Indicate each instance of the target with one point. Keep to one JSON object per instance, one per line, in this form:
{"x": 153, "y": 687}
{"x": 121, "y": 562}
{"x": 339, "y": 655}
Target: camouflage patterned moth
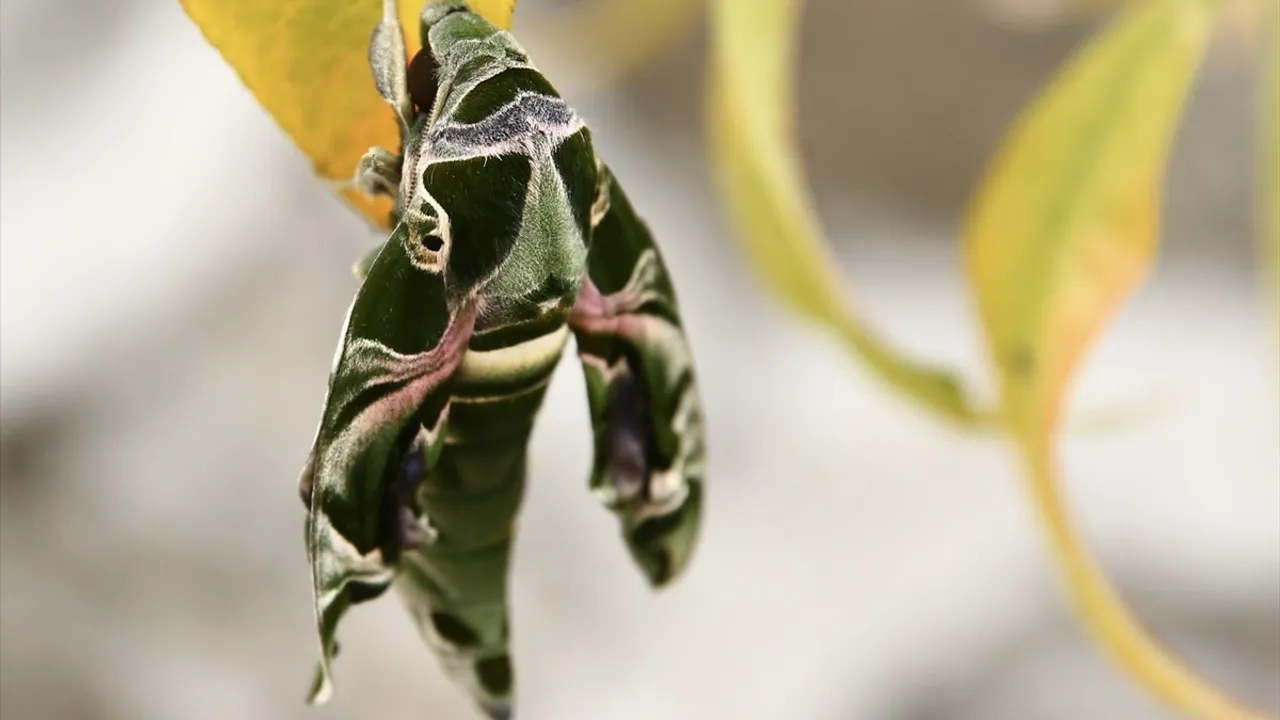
{"x": 508, "y": 236}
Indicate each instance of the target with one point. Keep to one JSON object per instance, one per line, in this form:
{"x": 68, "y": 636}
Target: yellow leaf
{"x": 306, "y": 61}
{"x": 1060, "y": 233}
{"x": 759, "y": 171}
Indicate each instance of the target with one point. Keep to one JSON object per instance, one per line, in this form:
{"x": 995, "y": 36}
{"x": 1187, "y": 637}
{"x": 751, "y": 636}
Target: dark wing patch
{"x": 484, "y": 198}
{"x": 495, "y": 93}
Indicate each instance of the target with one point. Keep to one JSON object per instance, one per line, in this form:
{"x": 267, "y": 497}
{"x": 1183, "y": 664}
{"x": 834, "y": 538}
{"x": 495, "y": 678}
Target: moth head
{"x": 466, "y": 46}
{"x": 458, "y": 47}
{"x": 460, "y": 50}
{"x": 449, "y": 22}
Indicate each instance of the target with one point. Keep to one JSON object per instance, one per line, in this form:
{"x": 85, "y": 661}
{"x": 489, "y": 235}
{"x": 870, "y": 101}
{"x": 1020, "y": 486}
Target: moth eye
{"x": 423, "y": 84}
{"x": 432, "y": 243}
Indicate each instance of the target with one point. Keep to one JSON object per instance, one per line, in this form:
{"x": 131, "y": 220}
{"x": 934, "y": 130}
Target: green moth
{"x": 509, "y": 235}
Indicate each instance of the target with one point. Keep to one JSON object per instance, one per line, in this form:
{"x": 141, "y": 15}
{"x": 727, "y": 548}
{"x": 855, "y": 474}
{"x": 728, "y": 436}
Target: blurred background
{"x": 173, "y": 281}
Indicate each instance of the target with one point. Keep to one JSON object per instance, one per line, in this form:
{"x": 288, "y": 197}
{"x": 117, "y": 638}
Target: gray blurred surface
{"x": 172, "y": 284}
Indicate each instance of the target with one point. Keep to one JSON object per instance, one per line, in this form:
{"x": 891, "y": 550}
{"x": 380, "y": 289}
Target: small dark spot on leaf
{"x": 454, "y": 630}
{"x": 1020, "y": 361}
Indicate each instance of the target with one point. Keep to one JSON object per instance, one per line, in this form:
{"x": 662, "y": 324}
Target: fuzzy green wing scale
{"x": 509, "y": 236}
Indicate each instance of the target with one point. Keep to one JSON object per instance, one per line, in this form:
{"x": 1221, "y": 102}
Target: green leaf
{"x": 750, "y": 126}
{"x": 1060, "y": 233}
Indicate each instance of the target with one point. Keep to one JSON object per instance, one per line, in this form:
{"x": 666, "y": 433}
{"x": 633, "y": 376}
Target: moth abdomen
{"x": 458, "y": 579}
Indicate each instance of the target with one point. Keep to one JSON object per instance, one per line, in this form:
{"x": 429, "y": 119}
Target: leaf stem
{"x": 1111, "y": 622}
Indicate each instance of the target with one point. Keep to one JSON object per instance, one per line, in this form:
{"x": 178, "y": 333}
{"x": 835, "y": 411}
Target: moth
{"x": 509, "y": 235}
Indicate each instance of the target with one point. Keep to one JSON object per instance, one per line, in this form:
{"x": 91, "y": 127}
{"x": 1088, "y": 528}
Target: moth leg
{"x": 378, "y": 172}
{"x": 645, "y": 409}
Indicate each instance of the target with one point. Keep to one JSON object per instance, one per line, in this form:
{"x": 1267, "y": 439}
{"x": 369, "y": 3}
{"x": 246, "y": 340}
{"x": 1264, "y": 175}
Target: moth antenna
{"x": 390, "y": 64}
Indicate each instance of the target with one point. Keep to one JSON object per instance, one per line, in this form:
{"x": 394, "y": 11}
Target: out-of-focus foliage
{"x": 307, "y": 63}
{"x": 1041, "y": 13}
{"x": 1063, "y": 228}
{"x": 1269, "y": 159}
{"x": 499, "y": 12}
{"x": 1061, "y": 231}
{"x": 613, "y": 37}
{"x": 750, "y": 120}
